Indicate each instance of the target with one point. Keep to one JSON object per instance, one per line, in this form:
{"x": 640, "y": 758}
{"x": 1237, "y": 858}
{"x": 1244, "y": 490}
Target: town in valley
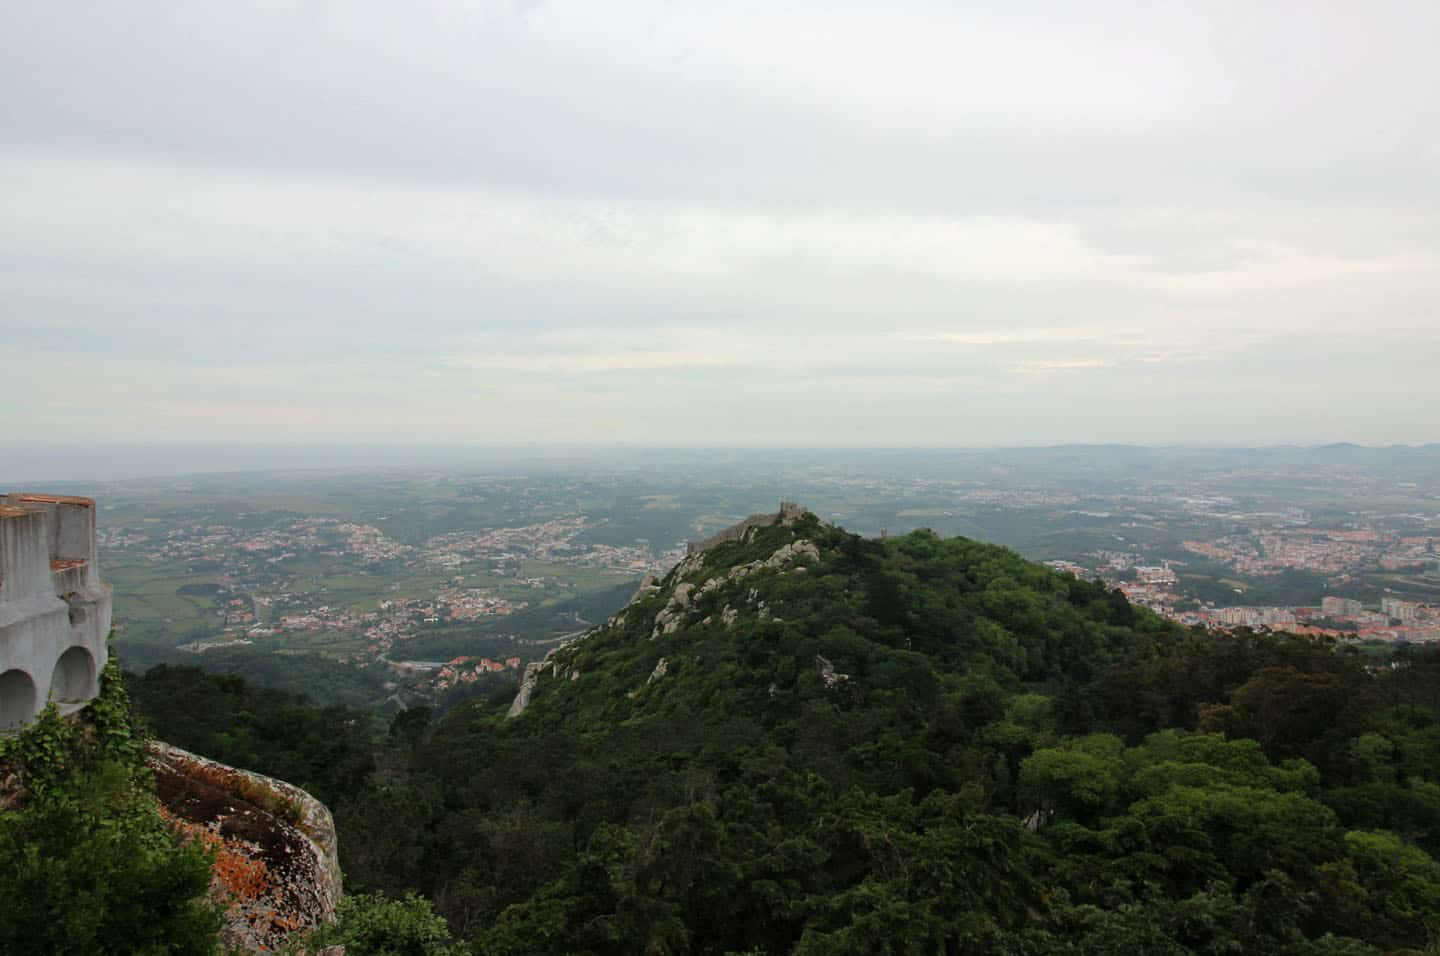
{"x": 427, "y": 585}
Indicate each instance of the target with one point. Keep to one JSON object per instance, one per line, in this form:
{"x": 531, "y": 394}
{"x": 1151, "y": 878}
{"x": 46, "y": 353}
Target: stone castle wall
{"x": 787, "y": 514}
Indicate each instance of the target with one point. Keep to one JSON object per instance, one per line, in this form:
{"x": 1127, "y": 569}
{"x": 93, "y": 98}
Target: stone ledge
{"x": 277, "y": 862}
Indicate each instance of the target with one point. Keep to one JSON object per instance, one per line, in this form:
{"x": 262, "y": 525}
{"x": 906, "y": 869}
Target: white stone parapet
{"x": 54, "y": 609}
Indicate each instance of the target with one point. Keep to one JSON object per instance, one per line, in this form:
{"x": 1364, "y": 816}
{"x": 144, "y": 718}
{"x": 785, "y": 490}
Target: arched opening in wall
{"x": 74, "y": 680}
{"x": 17, "y": 699}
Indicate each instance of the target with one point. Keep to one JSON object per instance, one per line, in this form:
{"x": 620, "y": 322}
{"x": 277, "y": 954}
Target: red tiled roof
{"x": 59, "y": 499}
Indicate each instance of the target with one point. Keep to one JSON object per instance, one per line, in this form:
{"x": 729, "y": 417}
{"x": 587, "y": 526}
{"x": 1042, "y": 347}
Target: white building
{"x": 1150, "y": 575}
{"x": 1404, "y": 611}
{"x": 1339, "y": 607}
{"x": 54, "y": 609}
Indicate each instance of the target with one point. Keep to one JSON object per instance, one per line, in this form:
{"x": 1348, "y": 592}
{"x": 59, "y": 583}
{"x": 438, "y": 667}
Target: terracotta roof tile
{"x": 58, "y": 499}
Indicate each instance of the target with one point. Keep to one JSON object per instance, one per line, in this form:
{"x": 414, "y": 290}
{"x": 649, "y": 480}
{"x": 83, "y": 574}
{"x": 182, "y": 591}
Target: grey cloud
{"x": 1131, "y": 101}
{"x": 558, "y": 220}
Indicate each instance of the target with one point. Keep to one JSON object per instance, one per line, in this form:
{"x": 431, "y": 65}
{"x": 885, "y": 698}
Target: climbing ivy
{"x": 49, "y": 749}
{"x": 87, "y": 864}
{"x": 116, "y": 729}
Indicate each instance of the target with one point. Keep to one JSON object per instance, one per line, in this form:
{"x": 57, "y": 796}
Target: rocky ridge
{"x": 694, "y": 594}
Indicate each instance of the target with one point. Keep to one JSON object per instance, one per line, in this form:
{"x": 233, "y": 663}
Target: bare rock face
{"x": 669, "y": 619}
{"x": 527, "y": 687}
{"x": 827, "y": 672}
{"x": 793, "y": 552}
{"x": 276, "y": 863}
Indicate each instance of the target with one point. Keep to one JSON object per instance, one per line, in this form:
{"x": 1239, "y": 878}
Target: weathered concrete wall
{"x": 54, "y": 609}
{"x": 24, "y": 553}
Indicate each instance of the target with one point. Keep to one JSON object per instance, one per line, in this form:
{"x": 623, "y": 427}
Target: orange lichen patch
{"x": 58, "y": 500}
{"x": 242, "y": 877}
{"x": 65, "y": 564}
{"x": 271, "y": 877}
{"x": 11, "y": 511}
{"x": 238, "y": 876}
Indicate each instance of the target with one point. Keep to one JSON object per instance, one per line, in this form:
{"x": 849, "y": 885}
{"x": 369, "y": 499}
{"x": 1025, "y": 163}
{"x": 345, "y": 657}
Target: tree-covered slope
{"x": 852, "y": 655}
{"x": 805, "y": 741}
{"x": 325, "y": 751}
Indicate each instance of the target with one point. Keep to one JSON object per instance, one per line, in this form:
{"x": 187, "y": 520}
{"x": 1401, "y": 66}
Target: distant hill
{"x": 803, "y": 741}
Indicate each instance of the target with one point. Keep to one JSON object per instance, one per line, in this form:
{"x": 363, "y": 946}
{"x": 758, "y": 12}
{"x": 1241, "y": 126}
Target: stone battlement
{"x": 787, "y": 514}
{"x": 54, "y": 609}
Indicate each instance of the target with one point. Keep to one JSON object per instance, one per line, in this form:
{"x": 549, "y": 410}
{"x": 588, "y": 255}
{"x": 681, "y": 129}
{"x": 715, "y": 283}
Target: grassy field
{"x": 575, "y": 579}
{"x": 148, "y": 595}
{"x": 324, "y": 643}
{"x": 1424, "y": 587}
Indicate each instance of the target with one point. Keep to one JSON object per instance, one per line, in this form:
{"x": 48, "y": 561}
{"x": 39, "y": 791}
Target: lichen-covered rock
{"x": 649, "y": 584}
{"x": 276, "y": 861}
{"x": 687, "y": 566}
{"x": 661, "y": 669}
{"x": 668, "y": 620}
{"x": 793, "y": 552}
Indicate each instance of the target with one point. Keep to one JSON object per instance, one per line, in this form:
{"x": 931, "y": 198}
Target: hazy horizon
{"x": 657, "y": 223}
{"x": 32, "y": 466}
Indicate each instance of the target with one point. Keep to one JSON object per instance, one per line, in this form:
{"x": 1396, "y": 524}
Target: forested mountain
{"x": 804, "y": 741}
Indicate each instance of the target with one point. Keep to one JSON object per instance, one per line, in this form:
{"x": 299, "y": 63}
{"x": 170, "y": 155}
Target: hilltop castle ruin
{"x": 788, "y": 514}
{"x": 54, "y": 609}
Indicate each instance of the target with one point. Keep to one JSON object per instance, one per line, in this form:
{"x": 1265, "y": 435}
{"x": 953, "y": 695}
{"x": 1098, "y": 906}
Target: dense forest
{"x": 809, "y": 742}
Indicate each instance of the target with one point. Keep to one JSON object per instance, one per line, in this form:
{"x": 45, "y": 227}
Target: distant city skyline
{"x": 649, "y": 223}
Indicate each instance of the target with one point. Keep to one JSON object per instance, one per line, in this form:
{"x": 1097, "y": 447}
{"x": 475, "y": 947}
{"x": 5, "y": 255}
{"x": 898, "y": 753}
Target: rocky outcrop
{"x": 683, "y": 605}
{"x": 276, "y": 862}
{"x": 671, "y": 617}
{"x": 791, "y": 553}
{"x": 828, "y": 673}
{"x": 535, "y": 670}
{"x": 527, "y": 687}
{"x": 668, "y": 620}
{"x": 649, "y": 584}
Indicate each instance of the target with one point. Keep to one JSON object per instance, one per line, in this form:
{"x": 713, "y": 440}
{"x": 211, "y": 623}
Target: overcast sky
{"x": 720, "y": 222}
